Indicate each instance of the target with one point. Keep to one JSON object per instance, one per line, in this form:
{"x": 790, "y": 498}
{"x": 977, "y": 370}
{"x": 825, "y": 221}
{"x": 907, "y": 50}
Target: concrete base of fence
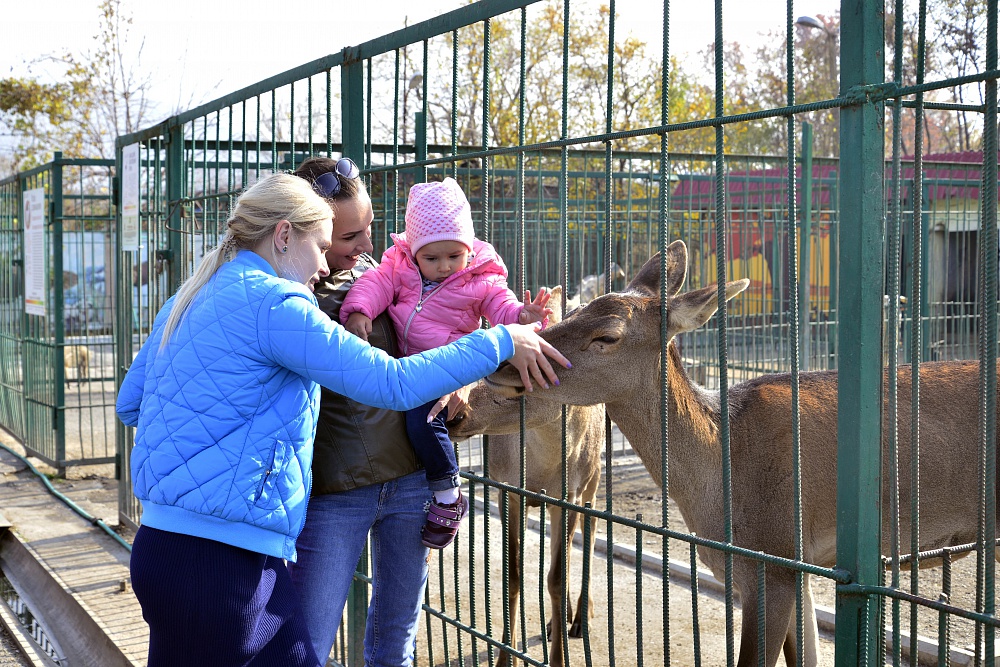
{"x": 80, "y": 635}
{"x": 927, "y": 649}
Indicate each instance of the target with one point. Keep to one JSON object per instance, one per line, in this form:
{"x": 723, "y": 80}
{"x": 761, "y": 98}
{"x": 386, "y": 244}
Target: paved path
{"x": 88, "y": 562}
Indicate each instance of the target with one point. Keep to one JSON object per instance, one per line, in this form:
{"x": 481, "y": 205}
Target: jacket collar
{"x": 252, "y": 259}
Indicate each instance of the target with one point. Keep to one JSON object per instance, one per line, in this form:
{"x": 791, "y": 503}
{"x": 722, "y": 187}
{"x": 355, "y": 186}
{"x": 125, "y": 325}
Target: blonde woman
{"x": 224, "y": 395}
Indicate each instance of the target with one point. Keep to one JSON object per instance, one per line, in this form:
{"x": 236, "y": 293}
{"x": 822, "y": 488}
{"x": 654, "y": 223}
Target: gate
{"x": 858, "y": 265}
{"x": 57, "y": 390}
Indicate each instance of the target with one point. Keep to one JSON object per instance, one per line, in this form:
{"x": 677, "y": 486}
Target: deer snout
{"x": 458, "y": 425}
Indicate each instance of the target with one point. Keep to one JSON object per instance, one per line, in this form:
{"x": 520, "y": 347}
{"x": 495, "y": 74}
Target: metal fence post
{"x": 175, "y": 192}
{"x": 352, "y": 108}
{"x": 860, "y": 316}
{"x": 805, "y": 278}
{"x": 353, "y": 138}
{"x": 58, "y": 308}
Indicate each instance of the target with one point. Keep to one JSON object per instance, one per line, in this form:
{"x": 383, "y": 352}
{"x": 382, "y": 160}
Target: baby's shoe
{"x": 443, "y": 522}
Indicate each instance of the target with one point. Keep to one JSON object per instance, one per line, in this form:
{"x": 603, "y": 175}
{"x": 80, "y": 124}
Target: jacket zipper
{"x": 267, "y": 473}
{"x": 417, "y": 309}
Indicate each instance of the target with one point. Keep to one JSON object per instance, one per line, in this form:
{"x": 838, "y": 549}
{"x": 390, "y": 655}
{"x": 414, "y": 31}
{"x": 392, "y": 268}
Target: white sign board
{"x": 35, "y": 283}
{"x": 130, "y": 197}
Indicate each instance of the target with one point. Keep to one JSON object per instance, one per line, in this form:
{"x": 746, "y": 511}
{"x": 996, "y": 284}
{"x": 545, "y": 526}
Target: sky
{"x": 198, "y": 50}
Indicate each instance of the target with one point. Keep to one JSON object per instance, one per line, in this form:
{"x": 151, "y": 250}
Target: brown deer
{"x": 543, "y": 464}
{"x": 614, "y": 344}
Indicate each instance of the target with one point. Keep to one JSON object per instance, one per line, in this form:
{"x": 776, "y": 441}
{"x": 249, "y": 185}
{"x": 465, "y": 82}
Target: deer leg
{"x": 810, "y": 638}
{"x": 505, "y": 659}
{"x": 576, "y": 629}
{"x": 780, "y": 588}
{"x": 810, "y": 633}
{"x": 557, "y": 595}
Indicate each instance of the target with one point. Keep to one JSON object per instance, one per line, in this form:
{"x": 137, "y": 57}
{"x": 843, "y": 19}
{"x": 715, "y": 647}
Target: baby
{"x": 437, "y": 281}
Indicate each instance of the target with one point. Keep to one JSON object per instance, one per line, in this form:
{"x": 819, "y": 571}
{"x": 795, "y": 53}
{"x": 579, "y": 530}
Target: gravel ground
{"x": 10, "y": 655}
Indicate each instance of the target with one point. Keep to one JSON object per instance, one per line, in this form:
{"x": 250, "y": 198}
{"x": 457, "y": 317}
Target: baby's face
{"x": 440, "y": 259}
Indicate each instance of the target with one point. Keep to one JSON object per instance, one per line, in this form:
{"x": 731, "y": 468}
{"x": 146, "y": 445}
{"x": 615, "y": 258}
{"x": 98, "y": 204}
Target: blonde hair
{"x": 258, "y": 211}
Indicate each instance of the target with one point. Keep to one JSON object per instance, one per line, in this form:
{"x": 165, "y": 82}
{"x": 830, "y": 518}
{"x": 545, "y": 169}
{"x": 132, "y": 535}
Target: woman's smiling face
{"x": 352, "y": 231}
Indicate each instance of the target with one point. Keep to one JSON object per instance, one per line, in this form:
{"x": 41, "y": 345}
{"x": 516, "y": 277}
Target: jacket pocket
{"x": 267, "y": 496}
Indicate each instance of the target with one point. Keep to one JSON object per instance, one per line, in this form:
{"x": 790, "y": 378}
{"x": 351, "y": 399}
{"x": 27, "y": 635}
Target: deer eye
{"x": 609, "y": 340}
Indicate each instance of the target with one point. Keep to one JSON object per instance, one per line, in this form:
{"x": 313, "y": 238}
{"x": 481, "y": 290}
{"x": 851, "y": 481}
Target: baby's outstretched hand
{"x": 535, "y": 310}
{"x": 359, "y": 325}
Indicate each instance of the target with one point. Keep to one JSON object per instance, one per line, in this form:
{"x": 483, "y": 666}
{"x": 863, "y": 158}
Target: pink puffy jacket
{"x": 444, "y": 315}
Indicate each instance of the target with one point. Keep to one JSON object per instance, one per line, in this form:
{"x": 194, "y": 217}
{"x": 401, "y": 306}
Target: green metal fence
{"x": 56, "y": 351}
{"x": 893, "y": 260}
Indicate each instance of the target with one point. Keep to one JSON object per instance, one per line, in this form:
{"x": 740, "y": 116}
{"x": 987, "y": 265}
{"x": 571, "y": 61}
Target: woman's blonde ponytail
{"x": 258, "y": 210}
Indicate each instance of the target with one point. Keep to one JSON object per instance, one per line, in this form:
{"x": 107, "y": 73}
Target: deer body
{"x": 543, "y": 463}
{"x": 622, "y": 331}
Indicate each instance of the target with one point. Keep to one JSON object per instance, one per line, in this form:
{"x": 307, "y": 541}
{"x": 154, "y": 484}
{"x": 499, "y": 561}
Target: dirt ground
{"x": 635, "y": 493}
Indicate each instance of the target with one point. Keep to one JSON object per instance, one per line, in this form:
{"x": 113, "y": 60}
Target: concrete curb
{"x": 72, "y": 623}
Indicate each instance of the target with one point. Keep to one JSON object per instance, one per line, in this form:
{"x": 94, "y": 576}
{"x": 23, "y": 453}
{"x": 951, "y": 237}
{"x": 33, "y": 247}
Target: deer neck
{"x": 695, "y": 461}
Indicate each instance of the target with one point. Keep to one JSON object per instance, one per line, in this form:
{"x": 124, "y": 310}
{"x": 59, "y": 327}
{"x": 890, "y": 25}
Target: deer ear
{"x": 648, "y": 278}
{"x": 555, "y": 303}
{"x": 692, "y": 309}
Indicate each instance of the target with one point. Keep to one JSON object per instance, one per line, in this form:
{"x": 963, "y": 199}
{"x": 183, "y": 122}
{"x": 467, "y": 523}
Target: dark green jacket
{"x": 357, "y": 445}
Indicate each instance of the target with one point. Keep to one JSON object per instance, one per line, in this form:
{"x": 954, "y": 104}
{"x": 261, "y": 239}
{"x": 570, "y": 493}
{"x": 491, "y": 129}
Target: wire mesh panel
{"x": 58, "y": 347}
{"x": 709, "y": 443}
{"x": 12, "y": 309}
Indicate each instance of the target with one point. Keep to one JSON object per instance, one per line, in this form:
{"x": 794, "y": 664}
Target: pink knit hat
{"x": 438, "y": 211}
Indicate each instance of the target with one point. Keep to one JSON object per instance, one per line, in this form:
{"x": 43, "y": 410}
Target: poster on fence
{"x": 130, "y": 197}
{"x": 35, "y": 285}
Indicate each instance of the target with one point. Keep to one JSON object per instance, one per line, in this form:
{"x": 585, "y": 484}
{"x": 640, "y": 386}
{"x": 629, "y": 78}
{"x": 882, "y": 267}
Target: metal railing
{"x": 826, "y": 281}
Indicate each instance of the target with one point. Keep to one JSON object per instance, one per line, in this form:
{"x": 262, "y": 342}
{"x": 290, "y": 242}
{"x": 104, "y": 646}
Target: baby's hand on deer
{"x": 359, "y": 325}
{"x": 455, "y": 401}
{"x": 535, "y": 310}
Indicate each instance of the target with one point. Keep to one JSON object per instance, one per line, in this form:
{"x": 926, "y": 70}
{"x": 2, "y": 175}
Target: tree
{"x": 99, "y": 95}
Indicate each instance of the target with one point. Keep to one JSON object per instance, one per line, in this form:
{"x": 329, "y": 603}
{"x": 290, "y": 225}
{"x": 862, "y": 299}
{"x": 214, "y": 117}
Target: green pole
{"x": 805, "y": 246}
{"x": 860, "y": 380}
{"x": 352, "y": 106}
{"x": 58, "y": 308}
{"x": 925, "y": 306}
{"x": 420, "y": 139}
{"x": 175, "y": 192}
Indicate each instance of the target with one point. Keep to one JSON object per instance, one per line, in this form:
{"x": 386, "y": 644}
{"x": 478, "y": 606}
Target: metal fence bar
{"x": 860, "y": 368}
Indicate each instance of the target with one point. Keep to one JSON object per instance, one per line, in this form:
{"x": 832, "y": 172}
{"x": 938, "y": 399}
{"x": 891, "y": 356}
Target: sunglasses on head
{"x": 328, "y": 184}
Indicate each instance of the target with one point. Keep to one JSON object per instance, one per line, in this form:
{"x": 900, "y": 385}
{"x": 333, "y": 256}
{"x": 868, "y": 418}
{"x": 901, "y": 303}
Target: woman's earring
{"x": 284, "y": 248}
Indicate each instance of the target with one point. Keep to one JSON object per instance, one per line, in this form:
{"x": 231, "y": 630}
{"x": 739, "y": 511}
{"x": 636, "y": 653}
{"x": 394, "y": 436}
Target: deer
{"x": 614, "y": 345}
{"x": 78, "y": 357}
{"x": 543, "y": 465}
{"x": 592, "y": 286}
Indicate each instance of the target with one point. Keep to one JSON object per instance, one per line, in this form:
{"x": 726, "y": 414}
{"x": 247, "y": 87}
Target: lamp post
{"x": 805, "y": 273}
{"x": 813, "y": 23}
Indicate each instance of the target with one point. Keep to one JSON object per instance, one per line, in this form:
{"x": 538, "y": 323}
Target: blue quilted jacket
{"x": 226, "y": 412}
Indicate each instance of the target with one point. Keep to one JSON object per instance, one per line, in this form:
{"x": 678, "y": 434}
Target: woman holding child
{"x": 225, "y": 398}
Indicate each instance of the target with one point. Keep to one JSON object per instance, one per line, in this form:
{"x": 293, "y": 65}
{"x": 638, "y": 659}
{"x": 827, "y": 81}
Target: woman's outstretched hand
{"x": 532, "y": 354}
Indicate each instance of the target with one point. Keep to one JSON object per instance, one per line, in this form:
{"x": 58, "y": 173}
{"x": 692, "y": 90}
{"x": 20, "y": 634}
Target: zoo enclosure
{"x": 193, "y": 165}
{"x": 57, "y": 390}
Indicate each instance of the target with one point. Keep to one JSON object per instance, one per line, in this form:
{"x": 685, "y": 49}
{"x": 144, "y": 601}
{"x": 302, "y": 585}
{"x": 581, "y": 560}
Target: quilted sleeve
{"x": 130, "y": 393}
{"x": 295, "y": 334}
{"x": 500, "y": 304}
{"x": 374, "y": 290}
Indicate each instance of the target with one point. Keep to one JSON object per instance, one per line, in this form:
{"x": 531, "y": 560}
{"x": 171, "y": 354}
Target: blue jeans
{"x": 433, "y": 446}
{"x": 329, "y": 547}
